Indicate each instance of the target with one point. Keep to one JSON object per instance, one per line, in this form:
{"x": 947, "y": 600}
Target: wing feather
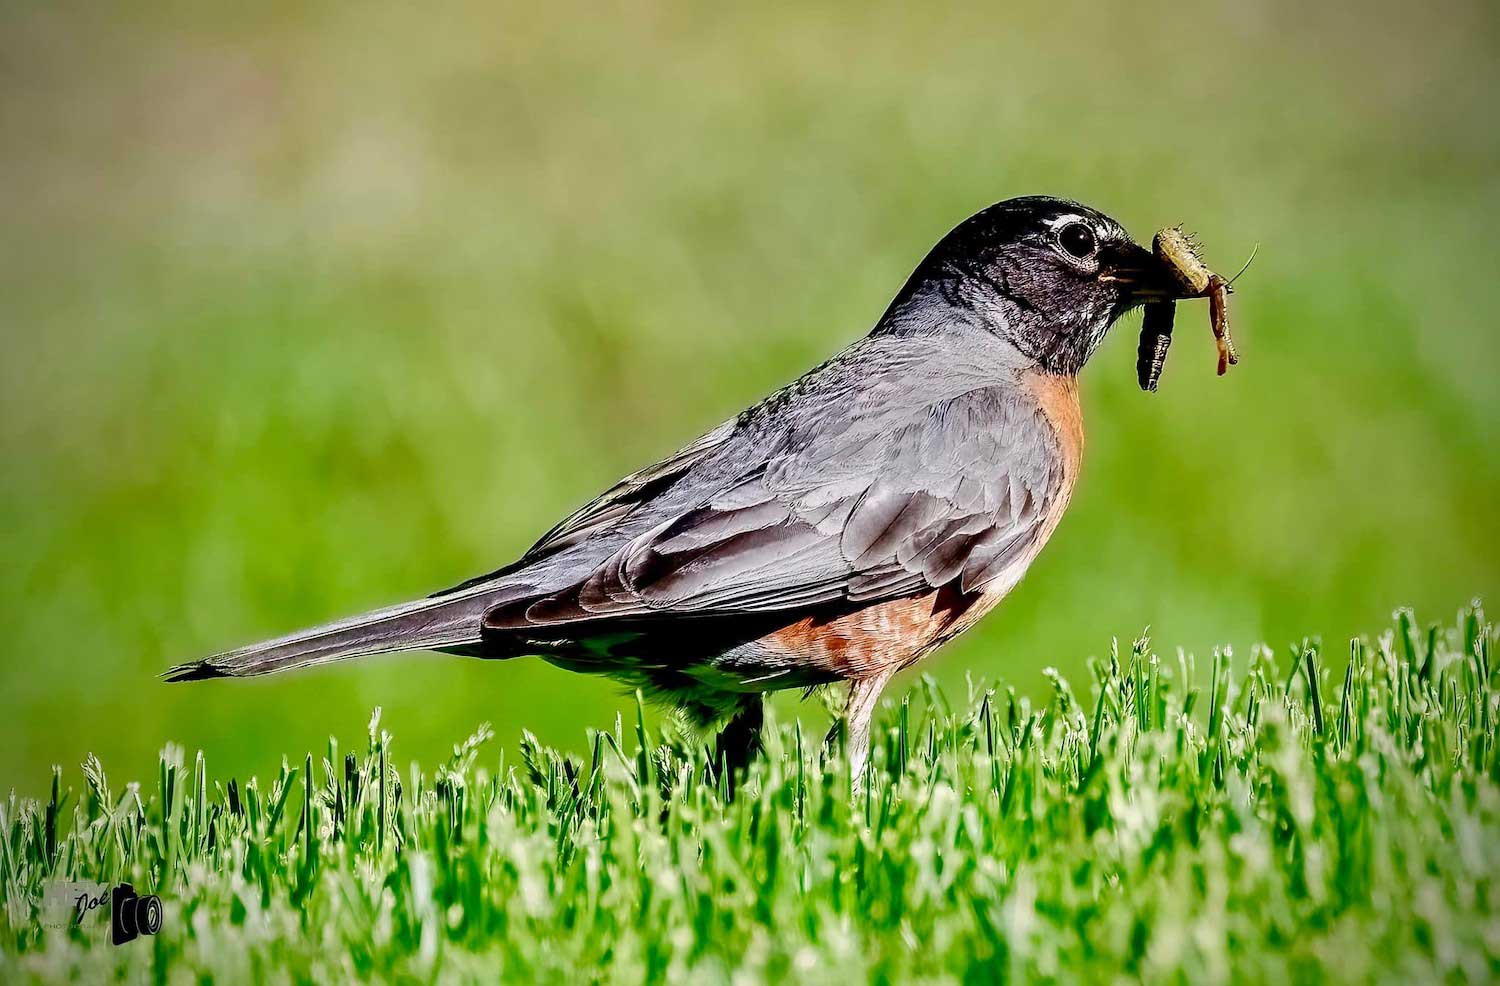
{"x": 857, "y": 510}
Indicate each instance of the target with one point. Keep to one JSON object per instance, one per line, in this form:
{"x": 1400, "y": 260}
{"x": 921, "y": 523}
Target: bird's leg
{"x": 739, "y": 741}
{"x": 859, "y": 709}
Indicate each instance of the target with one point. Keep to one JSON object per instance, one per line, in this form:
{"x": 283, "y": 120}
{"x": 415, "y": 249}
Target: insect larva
{"x": 1156, "y": 336}
{"x": 1179, "y": 254}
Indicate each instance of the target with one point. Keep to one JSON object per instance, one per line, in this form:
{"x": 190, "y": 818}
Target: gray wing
{"x": 621, "y": 500}
{"x": 839, "y": 496}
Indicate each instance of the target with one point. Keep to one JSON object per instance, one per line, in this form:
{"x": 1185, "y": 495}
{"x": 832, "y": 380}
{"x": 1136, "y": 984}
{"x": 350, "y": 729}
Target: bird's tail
{"x": 426, "y": 624}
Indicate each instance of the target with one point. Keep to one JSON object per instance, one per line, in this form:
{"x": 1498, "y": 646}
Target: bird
{"x": 838, "y": 531}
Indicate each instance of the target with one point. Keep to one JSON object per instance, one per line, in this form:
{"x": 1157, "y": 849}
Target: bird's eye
{"x": 1078, "y": 239}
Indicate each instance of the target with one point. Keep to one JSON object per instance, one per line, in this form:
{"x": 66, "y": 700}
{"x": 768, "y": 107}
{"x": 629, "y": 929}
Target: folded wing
{"x": 851, "y": 508}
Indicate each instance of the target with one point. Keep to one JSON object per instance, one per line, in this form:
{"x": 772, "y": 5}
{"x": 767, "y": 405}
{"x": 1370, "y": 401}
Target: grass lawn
{"x": 1302, "y": 815}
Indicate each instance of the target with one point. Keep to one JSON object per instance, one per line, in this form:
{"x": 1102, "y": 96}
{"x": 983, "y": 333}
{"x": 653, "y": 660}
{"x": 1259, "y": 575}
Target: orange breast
{"x": 1057, "y": 396}
{"x": 874, "y": 638}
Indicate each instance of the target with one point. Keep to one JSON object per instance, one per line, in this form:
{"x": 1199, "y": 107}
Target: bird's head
{"x": 1047, "y": 275}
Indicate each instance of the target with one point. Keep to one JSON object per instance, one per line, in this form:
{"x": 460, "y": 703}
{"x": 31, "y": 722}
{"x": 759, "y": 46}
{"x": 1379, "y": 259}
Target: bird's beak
{"x": 1140, "y": 272}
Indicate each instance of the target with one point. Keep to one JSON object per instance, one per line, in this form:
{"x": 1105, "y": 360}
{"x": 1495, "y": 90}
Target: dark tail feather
{"x": 426, "y": 624}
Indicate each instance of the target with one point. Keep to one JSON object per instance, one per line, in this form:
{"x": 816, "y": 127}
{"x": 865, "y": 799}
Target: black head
{"x": 1048, "y": 275}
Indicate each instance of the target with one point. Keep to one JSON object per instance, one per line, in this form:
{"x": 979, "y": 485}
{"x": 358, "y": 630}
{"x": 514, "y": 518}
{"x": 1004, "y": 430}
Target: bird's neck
{"x": 959, "y": 306}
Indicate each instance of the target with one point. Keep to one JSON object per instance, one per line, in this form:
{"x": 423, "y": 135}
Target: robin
{"x": 841, "y": 529}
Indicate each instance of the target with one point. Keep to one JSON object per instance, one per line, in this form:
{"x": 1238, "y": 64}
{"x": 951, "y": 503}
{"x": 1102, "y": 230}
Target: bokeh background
{"x": 310, "y": 308}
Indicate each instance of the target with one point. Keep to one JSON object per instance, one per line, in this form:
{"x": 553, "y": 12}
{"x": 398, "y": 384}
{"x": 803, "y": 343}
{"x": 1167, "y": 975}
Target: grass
{"x": 1288, "y": 818}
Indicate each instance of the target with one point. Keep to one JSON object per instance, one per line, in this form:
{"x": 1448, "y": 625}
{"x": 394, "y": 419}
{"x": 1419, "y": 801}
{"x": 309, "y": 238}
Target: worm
{"x": 1156, "y": 336}
{"x": 1218, "y": 318}
{"x": 1177, "y": 251}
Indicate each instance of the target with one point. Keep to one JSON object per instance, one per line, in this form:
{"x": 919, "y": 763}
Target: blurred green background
{"x": 312, "y": 308}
